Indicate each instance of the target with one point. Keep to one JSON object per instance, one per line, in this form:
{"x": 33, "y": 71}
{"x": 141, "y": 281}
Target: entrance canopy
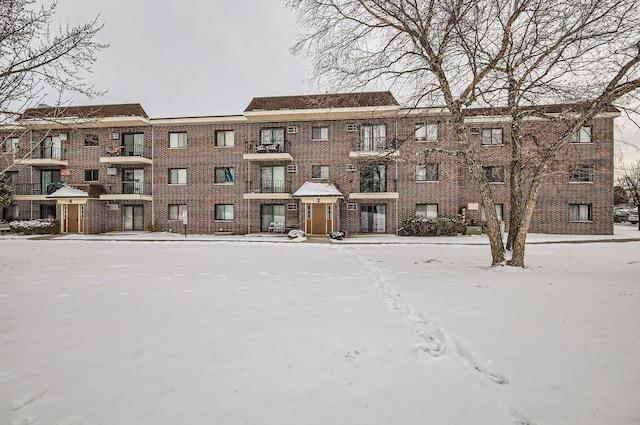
{"x": 69, "y": 193}
{"x": 318, "y": 193}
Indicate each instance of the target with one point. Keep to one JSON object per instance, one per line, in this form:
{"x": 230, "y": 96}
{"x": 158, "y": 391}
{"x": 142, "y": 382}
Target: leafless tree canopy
{"x": 36, "y": 56}
{"x": 490, "y": 53}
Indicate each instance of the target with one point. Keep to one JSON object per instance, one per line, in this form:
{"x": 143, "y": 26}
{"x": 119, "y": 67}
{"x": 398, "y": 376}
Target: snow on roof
{"x": 67, "y": 191}
{"x": 317, "y": 189}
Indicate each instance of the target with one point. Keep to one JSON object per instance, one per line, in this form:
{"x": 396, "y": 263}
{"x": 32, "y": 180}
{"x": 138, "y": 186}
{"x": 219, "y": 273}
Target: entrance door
{"x": 72, "y": 218}
{"x": 319, "y": 219}
{"x": 373, "y": 218}
{"x": 132, "y": 217}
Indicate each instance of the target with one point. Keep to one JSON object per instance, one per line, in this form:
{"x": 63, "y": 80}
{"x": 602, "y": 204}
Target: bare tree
{"x": 37, "y": 58}
{"x": 630, "y": 181}
{"x": 503, "y": 54}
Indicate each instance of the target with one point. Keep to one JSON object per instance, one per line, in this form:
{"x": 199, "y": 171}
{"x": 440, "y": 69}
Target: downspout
{"x": 249, "y": 199}
{"x": 153, "y": 202}
{"x": 398, "y": 198}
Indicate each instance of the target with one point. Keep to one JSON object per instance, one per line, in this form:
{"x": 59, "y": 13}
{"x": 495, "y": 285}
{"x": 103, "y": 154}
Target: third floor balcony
{"x": 127, "y": 153}
{"x": 45, "y": 156}
{"x": 272, "y": 151}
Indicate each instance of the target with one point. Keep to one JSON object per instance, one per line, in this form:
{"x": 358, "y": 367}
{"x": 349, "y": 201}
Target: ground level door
{"x": 319, "y": 219}
{"x": 72, "y": 218}
{"x": 373, "y": 219}
{"x": 133, "y": 217}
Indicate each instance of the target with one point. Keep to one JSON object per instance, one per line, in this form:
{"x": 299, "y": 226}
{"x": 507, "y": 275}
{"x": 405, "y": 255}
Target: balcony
{"x": 47, "y": 156}
{"x": 257, "y": 151}
{"x": 376, "y": 189}
{"x": 126, "y": 154}
{"x": 268, "y": 189}
{"x": 29, "y": 192}
{"x": 128, "y": 191}
{"x": 374, "y": 148}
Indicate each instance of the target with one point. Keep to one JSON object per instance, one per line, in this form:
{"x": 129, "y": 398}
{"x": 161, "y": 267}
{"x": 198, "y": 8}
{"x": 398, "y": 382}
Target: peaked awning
{"x": 317, "y": 192}
{"x": 67, "y": 191}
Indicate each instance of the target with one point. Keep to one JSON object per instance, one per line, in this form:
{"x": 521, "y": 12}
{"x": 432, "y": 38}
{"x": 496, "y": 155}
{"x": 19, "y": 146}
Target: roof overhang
{"x": 323, "y": 113}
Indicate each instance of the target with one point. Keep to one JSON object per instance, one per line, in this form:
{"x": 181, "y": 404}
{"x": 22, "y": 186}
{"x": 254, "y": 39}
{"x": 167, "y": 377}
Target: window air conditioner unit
{"x": 292, "y": 168}
{"x": 292, "y": 207}
{"x": 292, "y": 129}
{"x": 352, "y": 127}
{"x": 114, "y": 136}
{"x": 474, "y": 130}
{"x": 351, "y": 167}
{"x": 112, "y": 171}
{"x": 352, "y": 207}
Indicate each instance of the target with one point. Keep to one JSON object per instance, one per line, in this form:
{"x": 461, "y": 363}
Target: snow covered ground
{"x": 199, "y": 332}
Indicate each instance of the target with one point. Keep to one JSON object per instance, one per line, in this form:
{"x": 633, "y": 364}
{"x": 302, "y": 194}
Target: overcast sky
{"x": 206, "y": 57}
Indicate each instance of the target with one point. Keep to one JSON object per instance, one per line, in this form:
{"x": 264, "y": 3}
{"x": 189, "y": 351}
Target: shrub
{"x": 34, "y": 227}
{"x": 441, "y": 226}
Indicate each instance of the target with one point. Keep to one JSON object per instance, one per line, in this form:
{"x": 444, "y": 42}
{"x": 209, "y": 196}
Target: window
{"x": 271, "y": 213}
{"x": 491, "y": 136}
{"x": 11, "y": 144}
{"x": 373, "y": 178}
{"x": 427, "y": 172}
{"x": 48, "y": 211}
{"x": 178, "y": 140}
{"x": 581, "y": 173}
{"x": 499, "y": 209}
{"x": 52, "y": 146}
{"x": 494, "y": 174}
{"x": 319, "y": 172}
{"x": 320, "y": 133}
{"x": 177, "y": 176}
{"x": 427, "y": 210}
{"x": 133, "y": 181}
{"x": 176, "y": 210}
{"x": 91, "y": 140}
{"x": 579, "y": 212}
{"x": 90, "y": 175}
{"x": 272, "y": 180}
{"x": 47, "y": 180}
{"x": 12, "y": 178}
{"x": 426, "y": 132}
{"x": 224, "y": 138}
{"x": 582, "y": 136}
{"x": 373, "y": 137}
{"x": 272, "y": 136}
{"x": 12, "y": 212}
{"x": 224, "y": 175}
{"x": 224, "y": 212}
{"x": 133, "y": 144}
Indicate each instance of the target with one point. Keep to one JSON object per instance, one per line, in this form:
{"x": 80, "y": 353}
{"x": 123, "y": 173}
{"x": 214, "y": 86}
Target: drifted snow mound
{"x": 293, "y": 234}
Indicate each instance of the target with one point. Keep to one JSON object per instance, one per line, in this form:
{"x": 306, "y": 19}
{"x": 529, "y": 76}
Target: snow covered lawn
{"x": 188, "y": 332}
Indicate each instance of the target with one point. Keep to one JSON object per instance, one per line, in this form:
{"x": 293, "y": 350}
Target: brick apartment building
{"x": 353, "y": 162}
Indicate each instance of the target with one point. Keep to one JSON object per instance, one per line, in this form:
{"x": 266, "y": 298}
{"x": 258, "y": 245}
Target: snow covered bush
{"x": 34, "y": 227}
{"x": 293, "y": 234}
{"x": 441, "y": 226}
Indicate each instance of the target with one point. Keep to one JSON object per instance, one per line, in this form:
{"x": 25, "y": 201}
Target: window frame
{"x": 272, "y": 139}
{"x": 492, "y": 139}
{"x": 177, "y": 173}
{"x": 89, "y": 173}
{"x": 370, "y": 142}
{"x": 423, "y": 169}
{"x": 428, "y": 131}
{"x": 582, "y": 173}
{"x": 587, "y": 131}
{"x": 224, "y": 209}
{"x": 14, "y": 178}
{"x": 579, "y": 209}
{"x": 499, "y": 213}
{"x": 175, "y": 211}
{"x": 91, "y": 140}
{"x": 489, "y": 172}
{"x": 223, "y": 172}
{"x": 320, "y": 168}
{"x": 426, "y": 208}
{"x": 379, "y": 170}
{"x": 321, "y": 129}
{"x": 227, "y": 134}
{"x": 181, "y": 142}
{"x": 11, "y": 144}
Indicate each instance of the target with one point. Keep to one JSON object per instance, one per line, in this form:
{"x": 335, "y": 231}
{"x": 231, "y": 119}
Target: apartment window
{"x": 581, "y": 173}
{"x": 582, "y": 136}
{"x": 91, "y": 140}
{"x": 224, "y": 138}
{"x": 133, "y": 144}
{"x": 11, "y": 144}
{"x": 178, "y": 140}
{"x": 176, "y": 211}
{"x": 224, "y": 212}
{"x": 177, "y": 176}
{"x": 12, "y": 212}
{"x": 427, "y": 210}
{"x": 90, "y": 175}
{"x": 224, "y": 175}
{"x": 272, "y": 180}
{"x": 426, "y": 132}
{"x": 579, "y": 212}
{"x": 133, "y": 181}
{"x": 320, "y": 133}
{"x": 373, "y": 178}
{"x": 48, "y": 211}
{"x": 494, "y": 174}
{"x": 499, "y": 209}
{"x": 427, "y": 172}
{"x": 272, "y": 136}
{"x": 491, "y": 136}
{"x": 319, "y": 172}
{"x": 373, "y": 137}
{"x": 12, "y": 178}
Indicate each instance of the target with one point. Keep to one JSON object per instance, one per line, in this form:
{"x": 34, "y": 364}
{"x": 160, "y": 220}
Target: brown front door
{"x": 72, "y": 220}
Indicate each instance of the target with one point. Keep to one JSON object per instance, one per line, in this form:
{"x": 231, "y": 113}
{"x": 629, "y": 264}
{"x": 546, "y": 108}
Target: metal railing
{"x": 375, "y": 145}
{"x": 269, "y": 186}
{"x": 127, "y": 149}
{"x": 275, "y": 147}
{"x": 52, "y": 152}
{"x": 136, "y": 188}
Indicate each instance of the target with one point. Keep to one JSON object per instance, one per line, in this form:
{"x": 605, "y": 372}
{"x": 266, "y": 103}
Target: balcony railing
{"x": 375, "y": 145}
{"x": 38, "y": 153}
{"x": 127, "y": 149}
{"x": 51, "y": 152}
{"x": 269, "y": 186}
{"x": 136, "y": 188}
{"x": 378, "y": 186}
{"x": 275, "y": 147}
{"x": 29, "y": 189}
